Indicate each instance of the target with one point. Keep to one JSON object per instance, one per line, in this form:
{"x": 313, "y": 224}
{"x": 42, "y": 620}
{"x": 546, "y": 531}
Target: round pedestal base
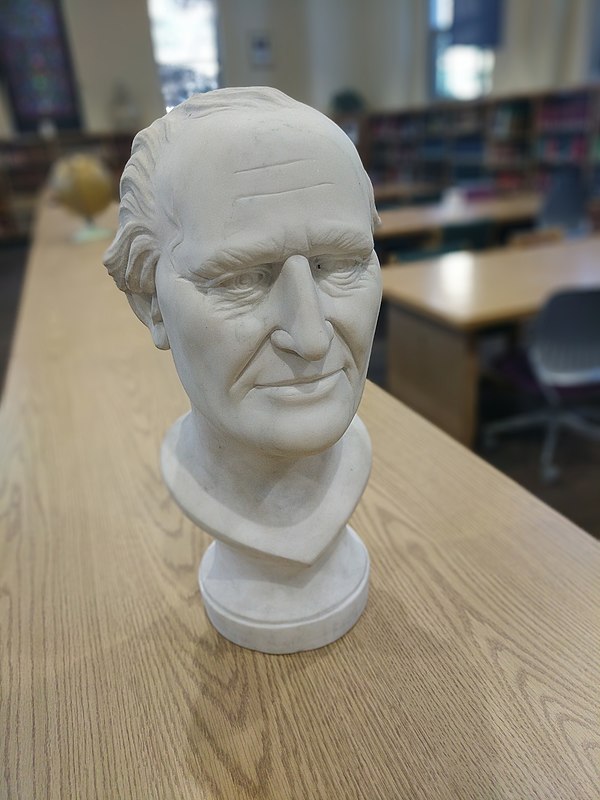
{"x": 278, "y": 606}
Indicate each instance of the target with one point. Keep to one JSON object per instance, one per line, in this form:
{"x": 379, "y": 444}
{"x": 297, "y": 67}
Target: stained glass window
{"x": 36, "y": 64}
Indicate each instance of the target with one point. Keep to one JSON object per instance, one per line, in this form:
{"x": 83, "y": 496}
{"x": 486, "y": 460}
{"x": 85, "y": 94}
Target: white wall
{"x": 334, "y": 61}
{"x": 284, "y": 22}
{"x": 397, "y": 41}
{"x": 110, "y": 44}
{"x": 378, "y": 47}
{"x": 323, "y": 46}
{"x": 546, "y": 45}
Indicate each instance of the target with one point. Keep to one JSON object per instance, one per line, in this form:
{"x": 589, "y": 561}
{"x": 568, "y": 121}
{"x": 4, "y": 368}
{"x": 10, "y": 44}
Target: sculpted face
{"x": 268, "y": 284}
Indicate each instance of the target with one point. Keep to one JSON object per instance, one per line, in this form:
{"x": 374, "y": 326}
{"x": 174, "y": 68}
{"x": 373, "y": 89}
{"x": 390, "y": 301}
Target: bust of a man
{"x": 245, "y": 244}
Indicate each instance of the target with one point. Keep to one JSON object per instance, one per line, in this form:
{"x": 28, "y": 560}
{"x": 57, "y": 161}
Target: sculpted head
{"x": 245, "y": 244}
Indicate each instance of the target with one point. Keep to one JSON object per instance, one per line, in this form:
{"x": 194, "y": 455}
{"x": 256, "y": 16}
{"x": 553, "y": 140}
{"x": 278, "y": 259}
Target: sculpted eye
{"x": 247, "y": 280}
{"x": 246, "y": 283}
{"x": 341, "y": 270}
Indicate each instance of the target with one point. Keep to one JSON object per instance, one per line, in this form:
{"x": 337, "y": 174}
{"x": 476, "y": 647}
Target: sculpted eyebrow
{"x": 335, "y": 240}
{"x": 345, "y": 240}
{"x": 234, "y": 259}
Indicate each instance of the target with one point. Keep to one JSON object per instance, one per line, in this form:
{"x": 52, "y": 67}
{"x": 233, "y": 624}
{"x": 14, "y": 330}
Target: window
{"x": 459, "y": 71}
{"x": 184, "y": 35}
{"x": 36, "y": 65}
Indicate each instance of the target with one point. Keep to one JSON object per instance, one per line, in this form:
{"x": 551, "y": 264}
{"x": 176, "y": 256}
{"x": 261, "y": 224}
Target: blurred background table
{"x": 402, "y": 192}
{"x": 454, "y": 223}
{"x": 396, "y": 222}
{"x": 437, "y": 310}
{"x": 472, "y": 674}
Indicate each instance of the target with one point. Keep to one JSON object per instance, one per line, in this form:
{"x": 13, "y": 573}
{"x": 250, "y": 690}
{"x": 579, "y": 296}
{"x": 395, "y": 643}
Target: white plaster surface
{"x": 246, "y": 247}
{"x": 285, "y": 607}
{"x": 296, "y": 532}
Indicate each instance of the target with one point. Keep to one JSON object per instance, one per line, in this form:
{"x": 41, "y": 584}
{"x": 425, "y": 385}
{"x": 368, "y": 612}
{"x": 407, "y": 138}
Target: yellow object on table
{"x": 82, "y": 184}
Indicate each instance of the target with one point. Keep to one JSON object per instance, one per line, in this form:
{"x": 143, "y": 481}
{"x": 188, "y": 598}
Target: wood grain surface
{"x": 467, "y": 290}
{"x": 472, "y": 674}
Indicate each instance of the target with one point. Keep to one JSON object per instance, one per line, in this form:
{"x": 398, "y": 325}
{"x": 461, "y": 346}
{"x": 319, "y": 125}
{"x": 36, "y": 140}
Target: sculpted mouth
{"x": 305, "y": 380}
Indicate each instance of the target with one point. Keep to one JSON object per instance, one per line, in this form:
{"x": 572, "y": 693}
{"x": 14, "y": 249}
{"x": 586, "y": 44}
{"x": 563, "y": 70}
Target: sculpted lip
{"x": 306, "y": 381}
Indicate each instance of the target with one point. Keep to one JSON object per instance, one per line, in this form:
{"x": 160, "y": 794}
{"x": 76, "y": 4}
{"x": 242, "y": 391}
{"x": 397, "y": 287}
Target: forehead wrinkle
{"x": 289, "y": 163}
{"x": 282, "y": 191}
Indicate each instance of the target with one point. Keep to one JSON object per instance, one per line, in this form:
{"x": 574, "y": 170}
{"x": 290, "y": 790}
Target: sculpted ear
{"x": 146, "y": 308}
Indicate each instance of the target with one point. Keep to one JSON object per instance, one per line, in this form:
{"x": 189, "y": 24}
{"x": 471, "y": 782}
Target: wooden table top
{"x": 401, "y": 190}
{"x": 472, "y": 674}
{"x": 471, "y": 290}
{"x": 417, "y": 219}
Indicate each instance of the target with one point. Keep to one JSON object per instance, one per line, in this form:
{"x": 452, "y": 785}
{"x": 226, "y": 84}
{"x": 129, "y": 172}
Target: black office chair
{"x": 563, "y": 354}
{"x": 565, "y": 201}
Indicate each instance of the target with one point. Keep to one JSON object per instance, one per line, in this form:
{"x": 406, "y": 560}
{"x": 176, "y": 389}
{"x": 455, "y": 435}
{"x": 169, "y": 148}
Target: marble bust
{"x": 245, "y": 244}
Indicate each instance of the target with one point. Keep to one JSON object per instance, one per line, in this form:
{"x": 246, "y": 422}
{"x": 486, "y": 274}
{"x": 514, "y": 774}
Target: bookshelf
{"x": 492, "y": 145}
{"x": 495, "y": 144}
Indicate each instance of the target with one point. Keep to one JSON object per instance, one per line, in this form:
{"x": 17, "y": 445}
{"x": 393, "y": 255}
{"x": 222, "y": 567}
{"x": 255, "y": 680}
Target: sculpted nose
{"x": 302, "y": 327}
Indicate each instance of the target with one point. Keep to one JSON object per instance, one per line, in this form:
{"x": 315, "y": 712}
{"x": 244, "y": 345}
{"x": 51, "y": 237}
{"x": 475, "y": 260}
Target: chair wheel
{"x": 550, "y": 474}
{"x": 490, "y": 442}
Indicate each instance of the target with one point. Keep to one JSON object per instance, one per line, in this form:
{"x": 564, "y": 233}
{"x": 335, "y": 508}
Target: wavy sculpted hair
{"x": 132, "y": 257}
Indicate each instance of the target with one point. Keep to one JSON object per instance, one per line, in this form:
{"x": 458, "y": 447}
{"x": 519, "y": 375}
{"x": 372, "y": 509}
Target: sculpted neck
{"x": 247, "y": 478}
{"x": 285, "y": 507}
